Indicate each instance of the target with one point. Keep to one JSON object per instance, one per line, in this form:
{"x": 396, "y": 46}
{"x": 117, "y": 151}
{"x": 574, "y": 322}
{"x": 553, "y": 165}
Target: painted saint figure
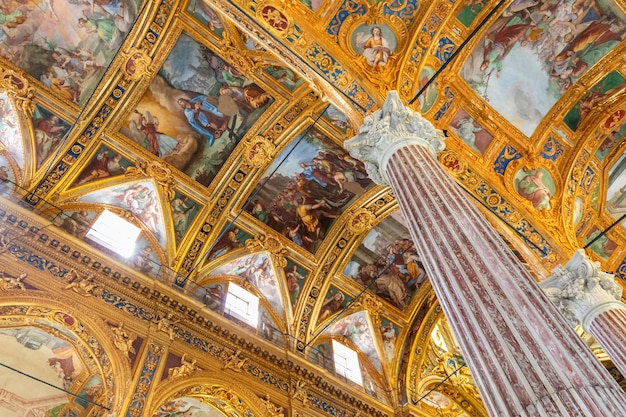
{"x": 532, "y": 188}
{"x": 376, "y": 48}
{"x": 204, "y": 117}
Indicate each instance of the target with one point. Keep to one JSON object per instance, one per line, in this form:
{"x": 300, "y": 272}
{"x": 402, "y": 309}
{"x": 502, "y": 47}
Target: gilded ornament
{"x": 275, "y": 19}
{"x": 186, "y": 368}
{"x": 8, "y": 282}
{"x": 123, "y": 340}
{"x": 452, "y": 163}
{"x": 138, "y": 65}
{"x": 258, "y": 151}
{"x": 19, "y": 90}
{"x": 360, "y": 221}
{"x": 299, "y": 392}
{"x": 272, "y": 409}
{"x": 235, "y": 362}
{"x": 158, "y": 171}
{"x": 165, "y": 323}
{"x": 85, "y": 286}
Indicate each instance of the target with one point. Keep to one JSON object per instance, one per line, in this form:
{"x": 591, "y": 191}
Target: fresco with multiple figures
{"x": 140, "y": 198}
{"x": 357, "y": 328}
{"x": 196, "y": 110}
{"x": 49, "y": 130}
{"x": 258, "y": 271}
{"x": 9, "y": 130}
{"x": 605, "y": 88}
{"x": 47, "y": 355}
{"x": 105, "y": 163}
{"x": 471, "y": 132}
{"x": 188, "y": 407}
{"x": 536, "y": 186}
{"x": 535, "y": 51}
{"x": 387, "y": 263}
{"x": 307, "y": 187}
{"x": 616, "y": 189}
{"x": 206, "y": 15}
{"x": 65, "y": 44}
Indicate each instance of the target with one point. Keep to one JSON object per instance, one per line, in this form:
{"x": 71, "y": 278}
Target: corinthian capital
{"x": 388, "y": 129}
{"x": 581, "y": 290}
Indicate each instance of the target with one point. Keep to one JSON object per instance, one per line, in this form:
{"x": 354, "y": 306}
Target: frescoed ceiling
{"x": 216, "y": 127}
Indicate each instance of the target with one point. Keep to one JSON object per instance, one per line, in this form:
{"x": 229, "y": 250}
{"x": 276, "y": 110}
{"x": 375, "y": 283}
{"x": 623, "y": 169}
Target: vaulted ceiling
{"x": 217, "y": 128}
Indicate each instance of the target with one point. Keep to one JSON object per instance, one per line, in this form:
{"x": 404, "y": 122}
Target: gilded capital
{"x": 581, "y": 291}
{"x": 388, "y": 129}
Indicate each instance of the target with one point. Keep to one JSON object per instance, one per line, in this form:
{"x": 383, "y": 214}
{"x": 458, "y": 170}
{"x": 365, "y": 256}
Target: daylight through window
{"x": 242, "y": 304}
{"x": 347, "y": 362}
{"x": 114, "y": 233}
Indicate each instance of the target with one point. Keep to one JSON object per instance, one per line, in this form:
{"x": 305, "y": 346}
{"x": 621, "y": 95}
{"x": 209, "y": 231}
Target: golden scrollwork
{"x": 159, "y": 172}
{"x": 360, "y": 220}
{"x": 20, "y": 90}
{"x": 138, "y": 65}
{"x": 9, "y": 282}
{"x": 272, "y": 244}
{"x": 186, "y": 368}
{"x": 258, "y": 152}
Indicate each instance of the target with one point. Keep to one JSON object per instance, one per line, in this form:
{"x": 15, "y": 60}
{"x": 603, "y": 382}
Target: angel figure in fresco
{"x": 376, "y": 48}
{"x": 204, "y": 117}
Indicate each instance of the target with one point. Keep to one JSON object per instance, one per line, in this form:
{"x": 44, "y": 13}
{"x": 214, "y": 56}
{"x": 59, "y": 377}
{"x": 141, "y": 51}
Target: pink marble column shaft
{"x": 525, "y": 358}
{"x": 609, "y": 330}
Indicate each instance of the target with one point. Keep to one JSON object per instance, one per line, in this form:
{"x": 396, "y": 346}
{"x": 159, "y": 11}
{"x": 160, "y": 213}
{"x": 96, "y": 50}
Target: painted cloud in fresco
{"x": 534, "y": 52}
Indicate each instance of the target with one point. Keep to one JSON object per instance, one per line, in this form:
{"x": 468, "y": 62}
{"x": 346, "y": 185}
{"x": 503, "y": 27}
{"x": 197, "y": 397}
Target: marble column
{"x": 591, "y": 298}
{"x": 525, "y": 359}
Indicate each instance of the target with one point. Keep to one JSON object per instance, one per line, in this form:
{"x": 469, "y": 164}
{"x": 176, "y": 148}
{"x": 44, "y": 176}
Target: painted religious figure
{"x": 189, "y": 407}
{"x": 357, "y": 328}
{"x": 600, "y": 243}
{"x": 105, "y": 163}
{"x": 9, "y": 130}
{"x": 302, "y": 196}
{"x": 471, "y": 132}
{"x": 48, "y": 131}
{"x": 605, "y": 88}
{"x": 536, "y": 50}
{"x": 196, "y": 110}
{"x": 616, "y": 188}
{"x": 535, "y": 186}
{"x": 376, "y": 43}
{"x": 387, "y": 262}
{"x": 67, "y": 45}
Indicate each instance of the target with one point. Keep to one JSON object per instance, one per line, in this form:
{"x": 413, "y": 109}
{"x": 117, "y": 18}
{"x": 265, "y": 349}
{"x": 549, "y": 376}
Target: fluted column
{"x": 525, "y": 359}
{"x": 589, "y": 297}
